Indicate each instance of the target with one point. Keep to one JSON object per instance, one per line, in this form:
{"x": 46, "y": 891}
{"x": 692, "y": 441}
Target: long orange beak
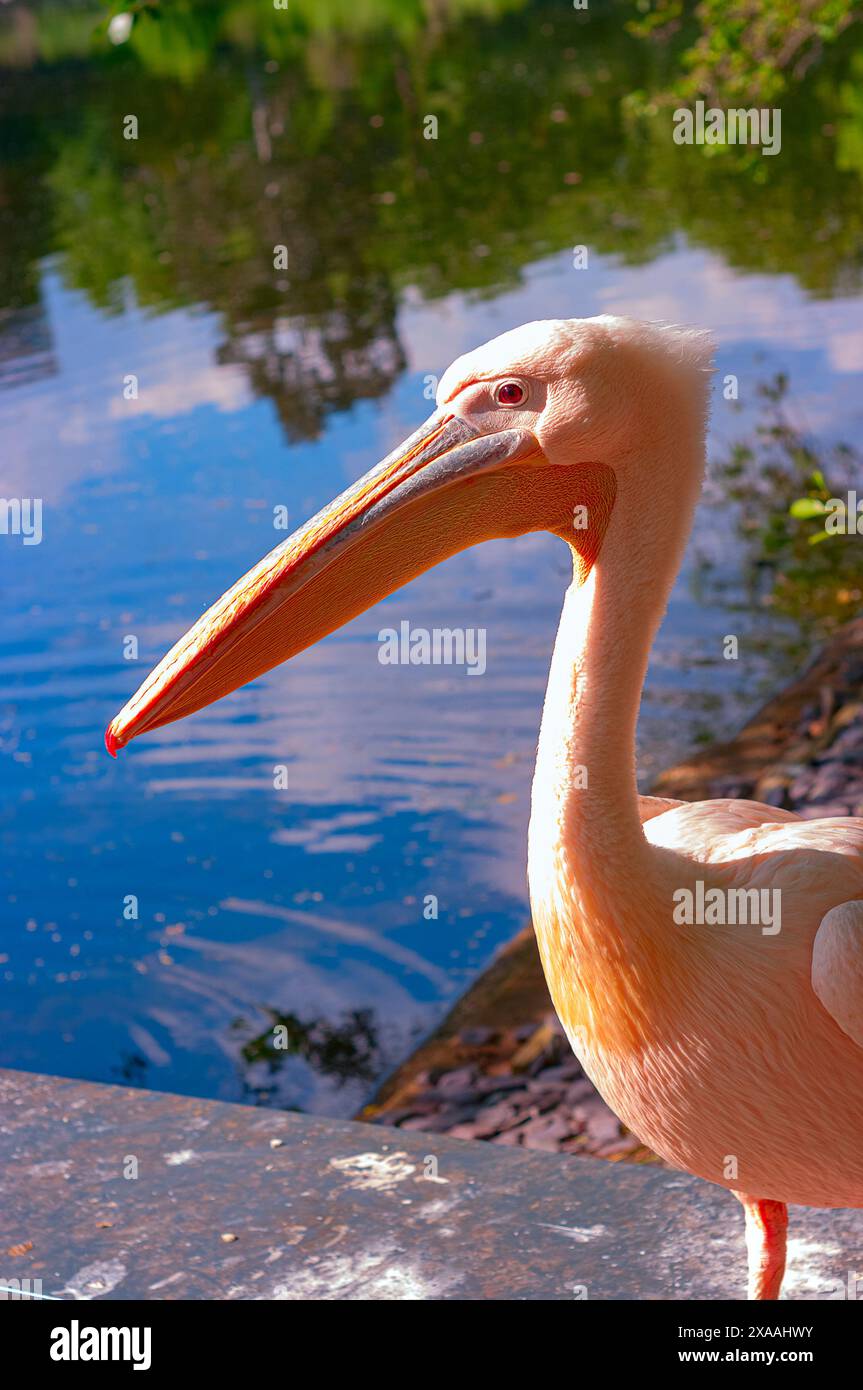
{"x": 444, "y": 489}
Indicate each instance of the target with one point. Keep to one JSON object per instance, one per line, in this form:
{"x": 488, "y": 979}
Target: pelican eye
{"x": 510, "y": 393}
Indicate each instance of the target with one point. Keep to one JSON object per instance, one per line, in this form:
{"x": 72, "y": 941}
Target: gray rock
{"x": 829, "y": 782}
{"x": 487, "y": 1085}
{"x": 458, "y": 1080}
{"x": 823, "y": 810}
{"x": 477, "y": 1037}
{"x": 579, "y": 1090}
{"x": 546, "y": 1133}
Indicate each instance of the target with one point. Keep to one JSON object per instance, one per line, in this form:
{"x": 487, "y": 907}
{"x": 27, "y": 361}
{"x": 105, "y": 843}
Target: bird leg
{"x": 766, "y": 1225}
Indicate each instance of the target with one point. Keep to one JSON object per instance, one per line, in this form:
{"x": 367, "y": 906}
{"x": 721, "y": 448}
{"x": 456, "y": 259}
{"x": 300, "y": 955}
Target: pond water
{"x": 260, "y": 389}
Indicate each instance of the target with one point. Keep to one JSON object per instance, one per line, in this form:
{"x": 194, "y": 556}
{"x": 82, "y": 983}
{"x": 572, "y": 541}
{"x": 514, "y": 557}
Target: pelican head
{"x": 533, "y": 429}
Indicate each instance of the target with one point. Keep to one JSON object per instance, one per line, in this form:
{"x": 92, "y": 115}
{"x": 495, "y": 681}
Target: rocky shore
{"x": 499, "y": 1068}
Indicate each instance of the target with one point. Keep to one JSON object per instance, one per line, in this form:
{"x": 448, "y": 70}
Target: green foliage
{"x": 746, "y": 50}
{"x": 782, "y": 488}
{"x": 305, "y": 126}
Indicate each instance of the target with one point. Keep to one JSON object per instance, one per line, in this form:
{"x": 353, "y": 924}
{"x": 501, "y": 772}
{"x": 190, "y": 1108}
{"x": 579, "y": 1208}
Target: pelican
{"x": 733, "y": 1045}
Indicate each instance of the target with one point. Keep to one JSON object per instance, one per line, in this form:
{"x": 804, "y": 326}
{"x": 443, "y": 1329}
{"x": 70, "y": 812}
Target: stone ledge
{"x": 330, "y": 1209}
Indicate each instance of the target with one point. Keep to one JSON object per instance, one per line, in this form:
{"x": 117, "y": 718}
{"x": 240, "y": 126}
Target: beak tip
{"x": 111, "y": 742}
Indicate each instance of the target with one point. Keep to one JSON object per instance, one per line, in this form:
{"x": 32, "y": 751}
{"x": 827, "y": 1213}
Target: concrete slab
{"x": 115, "y": 1193}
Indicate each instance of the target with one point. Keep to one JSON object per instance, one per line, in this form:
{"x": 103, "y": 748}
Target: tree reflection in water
{"x": 346, "y": 1051}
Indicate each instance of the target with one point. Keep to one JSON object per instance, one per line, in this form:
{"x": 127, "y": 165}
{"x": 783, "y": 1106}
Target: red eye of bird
{"x": 510, "y": 393}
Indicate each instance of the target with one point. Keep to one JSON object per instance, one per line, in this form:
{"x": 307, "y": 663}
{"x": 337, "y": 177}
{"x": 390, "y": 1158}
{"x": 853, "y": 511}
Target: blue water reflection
{"x": 163, "y": 914}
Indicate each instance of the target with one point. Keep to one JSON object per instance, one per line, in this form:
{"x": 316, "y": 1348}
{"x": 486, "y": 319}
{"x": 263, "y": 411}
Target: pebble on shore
{"x": 523, "y": 1088}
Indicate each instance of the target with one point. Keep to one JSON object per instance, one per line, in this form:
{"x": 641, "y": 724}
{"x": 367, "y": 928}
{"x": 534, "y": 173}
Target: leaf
{"x": 806, "y": 507}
